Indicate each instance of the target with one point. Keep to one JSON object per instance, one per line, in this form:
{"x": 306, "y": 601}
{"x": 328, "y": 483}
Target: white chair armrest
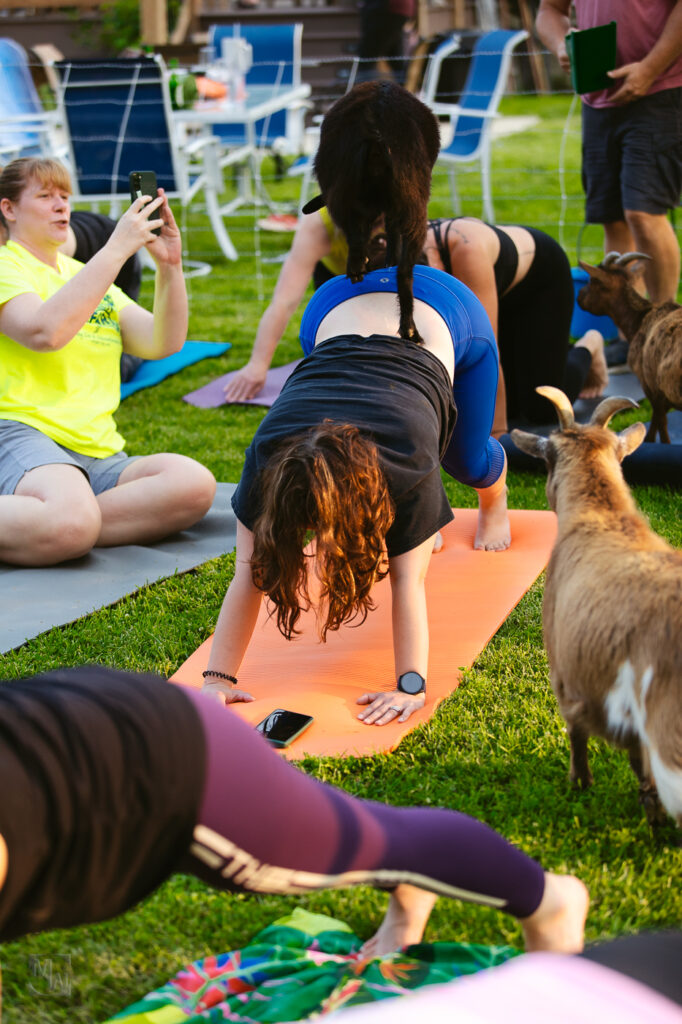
{"x": 455, "y": 110}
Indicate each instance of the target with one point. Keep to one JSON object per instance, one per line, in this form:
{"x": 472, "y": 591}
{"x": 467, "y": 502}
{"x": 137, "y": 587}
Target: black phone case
{"x": 143, "y": 182}
{"x": 306, "y": 721}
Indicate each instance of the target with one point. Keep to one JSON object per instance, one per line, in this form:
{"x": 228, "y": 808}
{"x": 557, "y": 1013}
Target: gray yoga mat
{"x": 652, "y": 463}
{"x": 624, "y": 384}
{"x": 628, "y": 385}
{"x": 35, "y": 600}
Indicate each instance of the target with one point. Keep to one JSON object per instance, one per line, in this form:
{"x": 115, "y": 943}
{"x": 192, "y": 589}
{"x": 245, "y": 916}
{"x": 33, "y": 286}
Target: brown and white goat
{"x": 378, "y": 145}
{"x": 653, "y": 331}
{"x": 612, "y": 611}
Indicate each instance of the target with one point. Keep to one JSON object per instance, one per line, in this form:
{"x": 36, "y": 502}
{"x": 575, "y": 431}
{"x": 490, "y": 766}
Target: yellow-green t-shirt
{"x": 337, "y": 260}
{"x": 69, "y": 395}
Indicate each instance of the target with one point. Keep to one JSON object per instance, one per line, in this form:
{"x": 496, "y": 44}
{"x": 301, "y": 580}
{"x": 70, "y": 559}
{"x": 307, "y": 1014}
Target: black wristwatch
{"x": 412, "y": 683}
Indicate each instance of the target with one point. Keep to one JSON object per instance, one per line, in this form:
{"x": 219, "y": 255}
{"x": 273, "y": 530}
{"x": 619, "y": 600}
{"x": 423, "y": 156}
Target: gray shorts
{"x": 23, "y": 448}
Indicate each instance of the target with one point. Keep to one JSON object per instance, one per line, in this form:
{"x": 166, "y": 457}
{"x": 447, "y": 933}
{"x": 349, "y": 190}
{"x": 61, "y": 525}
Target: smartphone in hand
{"x": 143, "y": 183}
{"x": 281, "y": 727}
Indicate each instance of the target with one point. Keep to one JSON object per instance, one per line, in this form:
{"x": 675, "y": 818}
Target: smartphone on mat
{"x": 143, "y": 183}
{"x": 281, "y": 727}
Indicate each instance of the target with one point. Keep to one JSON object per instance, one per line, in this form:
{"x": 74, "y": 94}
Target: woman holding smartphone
{"x": 351, "y": 452}
{"x": 66, "y": 485}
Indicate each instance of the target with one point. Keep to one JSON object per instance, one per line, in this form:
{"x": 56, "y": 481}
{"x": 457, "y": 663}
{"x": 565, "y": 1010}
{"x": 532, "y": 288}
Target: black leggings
{"x": 264, "y": 826}
{"x": 534, "y": 322}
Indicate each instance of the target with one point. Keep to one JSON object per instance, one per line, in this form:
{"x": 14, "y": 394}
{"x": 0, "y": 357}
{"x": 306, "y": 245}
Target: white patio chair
{"x": 471, "y": 116}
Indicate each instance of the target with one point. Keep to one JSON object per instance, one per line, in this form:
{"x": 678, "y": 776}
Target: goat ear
{"x": 313, "y": 205}
{"x": 630, "y": 439}
{"x": 531, "y": 444}
{"x": 587, "y": 267}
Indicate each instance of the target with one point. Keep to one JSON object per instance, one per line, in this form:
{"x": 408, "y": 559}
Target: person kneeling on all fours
{"x": 351, "y": 452}
{"x": 65, "y": 483}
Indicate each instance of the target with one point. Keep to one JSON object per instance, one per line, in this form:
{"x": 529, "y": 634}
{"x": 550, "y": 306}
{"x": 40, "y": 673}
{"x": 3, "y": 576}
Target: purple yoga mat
{"x": 213, "y": 395}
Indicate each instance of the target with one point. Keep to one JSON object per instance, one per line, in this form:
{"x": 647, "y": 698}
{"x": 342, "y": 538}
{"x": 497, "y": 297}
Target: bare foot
{"x": 493, "y": 532}
{"x": 598, "y": 373}
{"x": 558, "y": 925}
{"x": 404, "y": 921}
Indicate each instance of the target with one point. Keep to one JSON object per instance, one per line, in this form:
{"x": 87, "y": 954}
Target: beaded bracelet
{"x": 220, "y": 675}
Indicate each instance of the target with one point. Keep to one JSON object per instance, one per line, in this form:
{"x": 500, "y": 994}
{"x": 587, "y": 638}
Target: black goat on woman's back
{"x": 378, "y": 145}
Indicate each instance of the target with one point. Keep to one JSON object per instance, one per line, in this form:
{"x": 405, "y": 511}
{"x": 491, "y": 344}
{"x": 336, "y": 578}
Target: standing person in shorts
{"x": 66, "y": 484}
{"x": 632, "y": 131}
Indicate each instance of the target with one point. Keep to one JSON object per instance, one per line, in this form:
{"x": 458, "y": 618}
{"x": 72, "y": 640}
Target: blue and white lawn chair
{"x": 118, "y": 118}
{"x": 471, "y": 117}
{"x": 26, "y": 129}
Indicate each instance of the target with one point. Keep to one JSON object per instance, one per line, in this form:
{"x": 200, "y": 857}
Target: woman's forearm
{"x": 272, "y": 326}
{"x": 49, "y": 325}
{"x": 410, "y": 628}
{"x": 239, "y": 613}
{"x": 171, "y": 312}
{"x": 408, "y": 612}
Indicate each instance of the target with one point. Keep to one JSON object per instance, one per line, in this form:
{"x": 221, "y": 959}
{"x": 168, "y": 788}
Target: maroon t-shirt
{"x": 639, "y": 26}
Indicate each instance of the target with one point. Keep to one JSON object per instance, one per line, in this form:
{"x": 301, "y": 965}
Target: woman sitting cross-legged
{"x": 351, "y": 453}
{"x": 65, "y": 483}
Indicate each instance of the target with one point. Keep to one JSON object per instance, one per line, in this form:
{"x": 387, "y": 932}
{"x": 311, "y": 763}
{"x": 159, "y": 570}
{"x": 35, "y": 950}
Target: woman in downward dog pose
{"x": 158, "y": 796}
{"x": 351, "y": 452}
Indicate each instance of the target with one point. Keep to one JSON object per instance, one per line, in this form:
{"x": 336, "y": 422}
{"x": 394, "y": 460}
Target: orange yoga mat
{"x": 470, "y": 594}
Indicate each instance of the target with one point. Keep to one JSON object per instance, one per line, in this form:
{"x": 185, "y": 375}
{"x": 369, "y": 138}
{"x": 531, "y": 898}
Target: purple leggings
{"x": 264, "y": 826}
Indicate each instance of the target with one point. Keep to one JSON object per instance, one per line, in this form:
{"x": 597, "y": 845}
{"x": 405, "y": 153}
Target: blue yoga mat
{"x": 153, "y": 371}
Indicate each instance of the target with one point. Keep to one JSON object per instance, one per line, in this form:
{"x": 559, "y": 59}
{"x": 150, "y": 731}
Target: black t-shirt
{"x": 396, "y": 393}
{"x": 102, "y": 774}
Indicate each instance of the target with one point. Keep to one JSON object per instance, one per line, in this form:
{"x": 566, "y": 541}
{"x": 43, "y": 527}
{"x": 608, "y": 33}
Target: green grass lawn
{"x": 496, "y": 748}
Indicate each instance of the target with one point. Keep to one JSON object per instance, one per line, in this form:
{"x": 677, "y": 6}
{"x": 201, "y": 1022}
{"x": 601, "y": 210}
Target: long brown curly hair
{"x": 327, "y": 481}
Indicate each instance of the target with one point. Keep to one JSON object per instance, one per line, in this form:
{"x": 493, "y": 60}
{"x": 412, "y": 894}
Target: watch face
{"x": 411, "y": 682}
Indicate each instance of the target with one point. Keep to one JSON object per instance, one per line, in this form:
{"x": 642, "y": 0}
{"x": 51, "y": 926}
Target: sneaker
{"x": 278, "y": 222}
{"x": 616, "y": 353}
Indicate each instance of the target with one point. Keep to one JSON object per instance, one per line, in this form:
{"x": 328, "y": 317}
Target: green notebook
{"x": 593, "y": 53}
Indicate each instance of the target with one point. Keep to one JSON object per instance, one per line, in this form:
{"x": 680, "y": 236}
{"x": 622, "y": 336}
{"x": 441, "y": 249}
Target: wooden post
{"x": 537, "y": 64}
{"x": 153, "y": 22}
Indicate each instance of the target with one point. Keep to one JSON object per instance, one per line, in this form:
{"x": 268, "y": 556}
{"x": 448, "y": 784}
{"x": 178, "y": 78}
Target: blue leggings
{"x": 264, "y": 826}
{"x": 473, "y": 457}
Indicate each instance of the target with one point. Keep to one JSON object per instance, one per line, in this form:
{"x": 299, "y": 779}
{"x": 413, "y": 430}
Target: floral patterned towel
{"x": 304, "y": 965}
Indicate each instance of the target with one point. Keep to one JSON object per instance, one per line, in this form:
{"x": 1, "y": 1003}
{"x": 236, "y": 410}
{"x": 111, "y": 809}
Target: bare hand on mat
{"x": 246, "y": 383}
{"x": 394, "y": 706}
{"x": 224, "y": 694}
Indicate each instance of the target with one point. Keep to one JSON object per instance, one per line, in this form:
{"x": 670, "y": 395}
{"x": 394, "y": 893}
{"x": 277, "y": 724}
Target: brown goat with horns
{"x": 612, "y": 611}
{"x": 378, "y": 144}
{"x": 653, "y": 332}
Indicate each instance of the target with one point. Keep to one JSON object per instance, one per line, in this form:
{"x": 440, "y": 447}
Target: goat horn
{"x": 610, "y": 258}
{"x": 628, "y": 257}
{"x": 609, "y": 407}
{"x": 562, "y": 405}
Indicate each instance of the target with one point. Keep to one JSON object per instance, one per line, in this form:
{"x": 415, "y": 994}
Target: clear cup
{"x": 207, "y": 56}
